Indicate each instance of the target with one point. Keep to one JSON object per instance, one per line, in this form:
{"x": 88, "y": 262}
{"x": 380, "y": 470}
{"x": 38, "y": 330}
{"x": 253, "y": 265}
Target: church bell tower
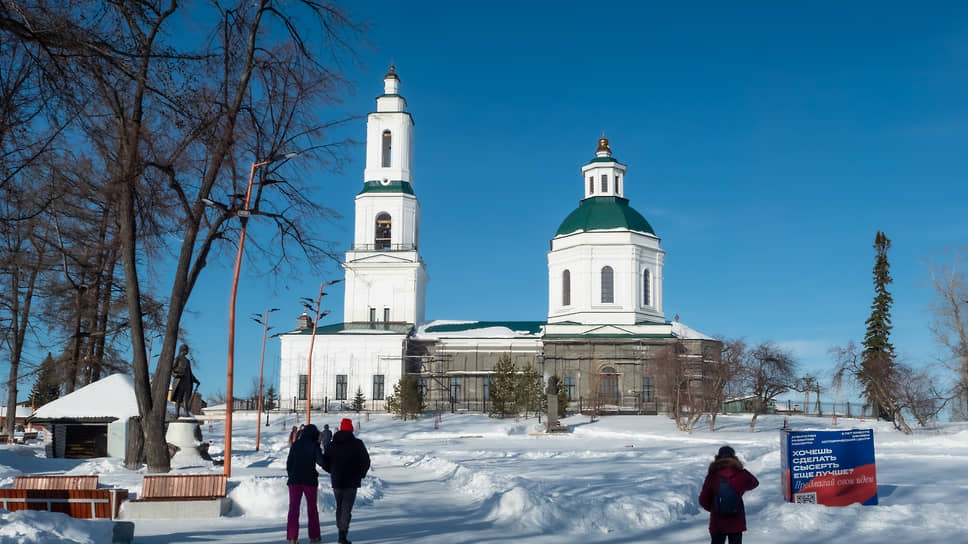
{"x": 385, "y": 275}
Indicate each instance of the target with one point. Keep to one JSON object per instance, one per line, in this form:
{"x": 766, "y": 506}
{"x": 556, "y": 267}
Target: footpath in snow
{"x": 480, "y": 480}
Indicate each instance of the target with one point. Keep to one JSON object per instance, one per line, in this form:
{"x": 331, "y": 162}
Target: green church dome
{"x": 603, "y": 213}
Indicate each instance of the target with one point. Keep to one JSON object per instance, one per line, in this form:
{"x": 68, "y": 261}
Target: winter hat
{"x": 346, "y": 425}
{"x": 326, "y": 427}
{"x": 725, "y": 452}
{"x": 310, "y": 432}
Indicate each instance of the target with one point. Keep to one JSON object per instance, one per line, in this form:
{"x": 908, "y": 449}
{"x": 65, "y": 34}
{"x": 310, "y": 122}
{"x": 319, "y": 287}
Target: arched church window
{"x": 647, "y": 288}
{"x": 382, "y": 238}
{"x": 591, "y": 185}
{"x": 604, "y": 183}
{"x": 608, "y": 388}
{"x": 608, "y": 284}
{"x": 566, "y": 288}
{"x": 386, "y": 148}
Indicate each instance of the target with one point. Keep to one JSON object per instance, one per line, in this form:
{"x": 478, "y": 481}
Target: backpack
{"x": 727, "y": 500}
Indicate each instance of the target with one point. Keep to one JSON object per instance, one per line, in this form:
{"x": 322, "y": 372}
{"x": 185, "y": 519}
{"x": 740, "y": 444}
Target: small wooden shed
{"x": 90, "y": 422}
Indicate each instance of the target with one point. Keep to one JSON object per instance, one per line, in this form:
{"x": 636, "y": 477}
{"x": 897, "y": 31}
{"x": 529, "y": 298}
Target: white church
{"x": 605, "y": 322}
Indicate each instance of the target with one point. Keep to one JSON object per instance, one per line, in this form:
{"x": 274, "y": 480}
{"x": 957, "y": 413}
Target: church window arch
{"x": 566, "y": 288}
{"x": 608, "y": 386}
{"x": 591, "y": 185}
{"x": 604, "y": 183}
{"x": 647, "y": 287}
{"x": 387, "y": 145}
{"x": 608, "y": 284}
{"x": 381, "y": 239}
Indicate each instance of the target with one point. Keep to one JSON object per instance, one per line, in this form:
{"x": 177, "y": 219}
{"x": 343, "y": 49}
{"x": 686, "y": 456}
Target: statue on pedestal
{"x": 552, "y": 392}
{"x": 183, "y": 382}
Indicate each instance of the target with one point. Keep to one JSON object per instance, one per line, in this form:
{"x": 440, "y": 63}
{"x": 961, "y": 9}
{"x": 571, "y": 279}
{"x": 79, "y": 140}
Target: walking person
{"x": 304, "y": 455}
{"x": 326, "y": 436}
{"x": 722, "y": 496}
{"x": 347, "y": 461}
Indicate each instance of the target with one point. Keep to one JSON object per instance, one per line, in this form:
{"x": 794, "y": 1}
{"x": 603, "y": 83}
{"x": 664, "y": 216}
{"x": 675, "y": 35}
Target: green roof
{"x": 531, "y": 327}
{"x": 395, "y": 186}
{"x": 367, "y": 327}
{"x": 602, "y": 159}
{"x": 603, "y": 213}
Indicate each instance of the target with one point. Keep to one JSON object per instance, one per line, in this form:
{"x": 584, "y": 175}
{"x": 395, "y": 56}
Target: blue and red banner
{"x": 833, "y": 468}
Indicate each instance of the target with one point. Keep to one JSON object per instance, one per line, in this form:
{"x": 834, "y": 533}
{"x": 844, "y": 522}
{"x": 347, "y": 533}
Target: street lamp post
{"x": 312, "y": 341}
{"x": 243, "y": 214}
{"x": 265, "y": 330}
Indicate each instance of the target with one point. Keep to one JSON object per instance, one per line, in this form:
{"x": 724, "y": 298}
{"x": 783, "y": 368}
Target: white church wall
{"x": 357, "y": 356}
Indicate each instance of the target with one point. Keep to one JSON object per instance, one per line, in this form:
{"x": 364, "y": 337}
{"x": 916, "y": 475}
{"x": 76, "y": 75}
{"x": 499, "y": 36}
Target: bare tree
{"x": 884, "y": 386}
{"x": 767, "y": 372}
{"x": 719, "y": 376}
{"x": 950, "y": 325}
{"x": 169, "y": 133}
{"x": 918, "y": 394}
{"x": 681, "y": 381}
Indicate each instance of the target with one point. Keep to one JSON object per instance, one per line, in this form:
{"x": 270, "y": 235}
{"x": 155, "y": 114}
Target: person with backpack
{"x": 304, "y": 455}
{"x": 722, "y": 496}
{"x": 347, "y": 461}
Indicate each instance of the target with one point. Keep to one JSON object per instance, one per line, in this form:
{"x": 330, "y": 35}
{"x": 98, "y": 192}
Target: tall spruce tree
{"x": 877, "y": 366}
{"x": 45, "y": 388}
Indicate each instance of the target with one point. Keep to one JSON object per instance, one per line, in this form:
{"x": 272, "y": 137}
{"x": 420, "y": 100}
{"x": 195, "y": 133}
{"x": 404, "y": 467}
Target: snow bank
{"x": 32, "y": 527}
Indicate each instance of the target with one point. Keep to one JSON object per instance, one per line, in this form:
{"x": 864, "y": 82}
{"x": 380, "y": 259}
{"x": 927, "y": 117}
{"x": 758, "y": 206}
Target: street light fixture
{"x": 312, "y": 341}
{"x": 264, "y": 321}
{"x": 243, "y": 214}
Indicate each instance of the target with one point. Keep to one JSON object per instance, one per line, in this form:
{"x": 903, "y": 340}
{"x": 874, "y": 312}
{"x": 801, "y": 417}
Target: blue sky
{"x": 766, "y": 144}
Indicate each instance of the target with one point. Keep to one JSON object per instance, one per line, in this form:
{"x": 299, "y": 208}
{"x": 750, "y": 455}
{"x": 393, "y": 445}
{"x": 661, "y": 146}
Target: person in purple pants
{"x": 304, "y": 455}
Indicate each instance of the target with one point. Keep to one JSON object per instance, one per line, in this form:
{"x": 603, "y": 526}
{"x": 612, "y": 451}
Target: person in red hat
{"x": 347, "y": 462}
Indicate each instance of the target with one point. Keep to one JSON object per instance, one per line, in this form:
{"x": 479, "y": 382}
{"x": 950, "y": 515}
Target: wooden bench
{"x": 183, "y": 487}
{"x": 4, "y": 438}
{"x": 55, "y": 482}
{"x": 76, "y": 496}
{"x": 180, "y": 496}
{"x": 29, "y": 436}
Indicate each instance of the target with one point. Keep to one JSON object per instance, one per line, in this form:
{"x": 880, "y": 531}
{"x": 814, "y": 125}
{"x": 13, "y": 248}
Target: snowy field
{"x": 473, "y": 479}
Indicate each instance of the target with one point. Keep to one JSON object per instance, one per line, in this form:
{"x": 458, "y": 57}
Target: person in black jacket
{"x": 347, "y": 461}
{"x": 304, "y": 455}
{"x": 326, "y": 437}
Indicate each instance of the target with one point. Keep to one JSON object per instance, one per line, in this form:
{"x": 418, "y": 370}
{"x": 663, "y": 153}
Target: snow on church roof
{"x": 688, "y": 333}
{"x": 479, "y": 329}
{"x": 106, "y": 398}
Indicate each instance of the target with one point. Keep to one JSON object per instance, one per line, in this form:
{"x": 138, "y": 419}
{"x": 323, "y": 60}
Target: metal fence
{"x": 822, "y": 409}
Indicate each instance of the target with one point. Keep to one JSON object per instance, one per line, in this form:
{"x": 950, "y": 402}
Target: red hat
{"x": 346, "y": 425}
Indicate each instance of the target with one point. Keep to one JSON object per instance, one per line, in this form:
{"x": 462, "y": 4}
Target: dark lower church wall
{"x": 583, "y": 363}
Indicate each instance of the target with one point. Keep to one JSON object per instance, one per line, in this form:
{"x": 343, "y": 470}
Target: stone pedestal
{"x": 185, "y": 434}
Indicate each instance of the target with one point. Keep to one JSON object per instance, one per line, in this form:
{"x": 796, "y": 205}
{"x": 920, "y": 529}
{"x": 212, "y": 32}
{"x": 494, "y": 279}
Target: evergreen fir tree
{"x": 45, "y": 389}
{"x": 358, "y": 401}
{"x": 562, "y": 398}
{"x": 269, "y": 399}
{"x": 529, "y": 390}
{"x": 503, "y": 387}
{"x": 877, "y": 366}
{"x": 407, "y": 401}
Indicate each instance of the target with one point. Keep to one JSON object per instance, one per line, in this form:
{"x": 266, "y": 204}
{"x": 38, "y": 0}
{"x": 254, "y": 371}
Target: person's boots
{"x": 293, "y": 541}
{"x": 342, "y": 538}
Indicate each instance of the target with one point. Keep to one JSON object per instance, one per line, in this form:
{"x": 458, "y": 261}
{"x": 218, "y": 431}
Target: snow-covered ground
{"x": 618, "y": 479}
